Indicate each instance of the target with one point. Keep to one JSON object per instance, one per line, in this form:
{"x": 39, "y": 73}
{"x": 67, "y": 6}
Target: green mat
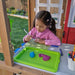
{"x": 50, "y": 65}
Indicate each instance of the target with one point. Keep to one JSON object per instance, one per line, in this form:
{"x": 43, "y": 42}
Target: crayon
{"x": 61, "y": 52}
{"x": 54, "y": 46}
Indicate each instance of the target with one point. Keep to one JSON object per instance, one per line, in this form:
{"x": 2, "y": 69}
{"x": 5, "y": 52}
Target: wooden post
{"x": 5, "y": 37}
{"x": 60, "y": 31}
{"x": 1, "y": 51}
{"x": 29, "y": 16}
{"x": 31, "y": 13}
{"x": 66, "y": 29}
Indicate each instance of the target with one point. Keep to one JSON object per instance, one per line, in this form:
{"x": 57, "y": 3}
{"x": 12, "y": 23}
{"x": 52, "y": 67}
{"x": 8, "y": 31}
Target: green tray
{"x": 50, "y": 65}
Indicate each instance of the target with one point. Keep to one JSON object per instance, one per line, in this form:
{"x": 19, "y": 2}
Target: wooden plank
{"x": 1, "y": 51}
{"x": 38, "y": 72}
{"x": 31, "y": 13}
{"x": 43, "y": 1}
{"x": 55, "y": 1}
{"x": 22, "y": 69}
{"x": 15, "y": 69}
{"x": 3, "y": 71}
{"x": 60, "y": 32}
{"x": 0, "y": 71}
{"x": 4, "y": 33}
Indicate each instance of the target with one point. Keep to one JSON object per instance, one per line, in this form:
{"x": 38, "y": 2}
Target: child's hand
{"x": 28, "y": 38}
{"x": 40, "y": 41}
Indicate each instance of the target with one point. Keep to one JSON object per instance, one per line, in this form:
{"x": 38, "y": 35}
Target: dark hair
{"x": 47, "y": 19}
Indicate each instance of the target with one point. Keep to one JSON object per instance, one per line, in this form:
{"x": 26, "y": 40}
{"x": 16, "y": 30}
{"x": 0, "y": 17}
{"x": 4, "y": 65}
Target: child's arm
{"x": 53, "y": 40}
{"x": 29, "y": 36}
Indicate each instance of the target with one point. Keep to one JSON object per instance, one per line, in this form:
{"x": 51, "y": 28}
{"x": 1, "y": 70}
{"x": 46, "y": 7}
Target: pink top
{"x": 50, "y": 38}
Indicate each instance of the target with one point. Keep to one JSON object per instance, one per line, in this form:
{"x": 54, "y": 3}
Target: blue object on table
{"x": 22, "y": 44}
{"x": 19, "y": 48}
{"x": 54, "y": 46}
{"x": 16, "y": 50}
{"x": 32, "y": 54}
{"x": 61, "y": 52}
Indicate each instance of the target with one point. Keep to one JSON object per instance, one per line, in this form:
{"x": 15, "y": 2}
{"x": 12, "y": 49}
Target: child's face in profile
{"x": 39, "y": 25}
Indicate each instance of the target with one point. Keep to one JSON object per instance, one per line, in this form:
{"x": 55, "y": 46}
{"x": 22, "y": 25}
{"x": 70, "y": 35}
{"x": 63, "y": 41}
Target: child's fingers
{"x": 28, "y": 38}
{"x": 36, "y": 40}
{"x": 40, "y": 41}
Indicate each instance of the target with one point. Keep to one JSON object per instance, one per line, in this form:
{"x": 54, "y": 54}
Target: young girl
{"x": 43, "y": 31}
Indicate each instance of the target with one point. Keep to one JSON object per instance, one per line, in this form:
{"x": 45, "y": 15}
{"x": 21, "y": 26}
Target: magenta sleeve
{"x": 30, "y": 33}
{"x": 53, "y": 40}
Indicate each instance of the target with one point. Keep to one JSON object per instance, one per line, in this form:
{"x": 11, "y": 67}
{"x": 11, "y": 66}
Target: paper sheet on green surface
{"x": 32, "y": 43}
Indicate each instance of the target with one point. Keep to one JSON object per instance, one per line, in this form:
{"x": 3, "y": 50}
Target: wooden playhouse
{"x": 56, "y": 7}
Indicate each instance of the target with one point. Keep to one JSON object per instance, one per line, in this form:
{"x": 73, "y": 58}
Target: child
{"x": 43, "y": 31}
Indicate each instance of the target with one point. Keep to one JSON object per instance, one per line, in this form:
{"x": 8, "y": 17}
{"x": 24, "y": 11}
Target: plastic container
{"x": 71, "y": 64}
{"x": 51, "y": 65}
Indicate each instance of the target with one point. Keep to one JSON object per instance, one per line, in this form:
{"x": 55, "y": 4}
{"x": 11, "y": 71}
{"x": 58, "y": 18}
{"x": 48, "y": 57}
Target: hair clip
{"x": 47, "y": 20}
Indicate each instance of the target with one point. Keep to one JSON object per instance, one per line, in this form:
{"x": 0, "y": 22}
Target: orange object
{"x": 70, "y": 52}
{"x": 74, "y": 59}
{"x": 73, "y": 53}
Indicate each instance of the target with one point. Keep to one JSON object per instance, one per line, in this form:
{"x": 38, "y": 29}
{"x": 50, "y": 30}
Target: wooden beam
{"x": 1, "y": 51}
{"x": 60, "y": 31}
{"x": 31, "y": 13}
{"x": 34, "y": 71}
{"x": 4, "y": 32}
{"x": 14, "y": 69}
{"x": 66, "y": 29}
{"x": 1, "y": 71}
{"x": 21, "y": 69}
{"x": 5, "y": 37}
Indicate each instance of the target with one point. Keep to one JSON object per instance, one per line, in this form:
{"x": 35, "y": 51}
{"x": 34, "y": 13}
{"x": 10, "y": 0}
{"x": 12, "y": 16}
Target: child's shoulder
{"x": 50, "y": 32}
{"x": 33, "y": 29}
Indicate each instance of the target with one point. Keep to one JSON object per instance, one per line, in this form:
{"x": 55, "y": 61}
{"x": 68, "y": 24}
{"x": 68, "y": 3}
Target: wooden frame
{"x": 32, "y": 15}
{"x": 64, "y": 40}
{"x": 7, "y": 67}
{"x": 1, "y": 51}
